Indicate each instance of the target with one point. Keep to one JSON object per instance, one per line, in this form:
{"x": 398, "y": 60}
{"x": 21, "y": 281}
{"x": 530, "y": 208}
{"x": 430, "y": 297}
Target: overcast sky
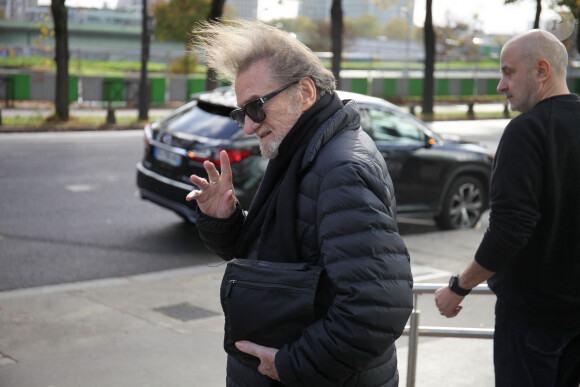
{"x": 495, "y": 15}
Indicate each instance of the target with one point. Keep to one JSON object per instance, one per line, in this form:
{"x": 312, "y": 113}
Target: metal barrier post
{"x": 413, "y": 344}
{"x": 413, "y": 330}
{"x": 111, "y": 115}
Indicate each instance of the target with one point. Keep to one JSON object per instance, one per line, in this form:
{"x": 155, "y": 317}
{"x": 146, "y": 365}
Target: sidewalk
{"x": 99, "y": 113}
{"x": 108, "y": 332}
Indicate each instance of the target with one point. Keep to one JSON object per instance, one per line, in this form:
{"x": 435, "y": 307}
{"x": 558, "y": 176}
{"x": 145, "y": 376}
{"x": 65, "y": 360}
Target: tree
{"x": 143, "y": 84}
{"x": 574, "y": 7}
{"x": 384, "y": 4}
{"x": 366, "y": 26}
{"x": 61, "y": 100}
{"x": 217, "y": 9}
{"x": 45, "y": 38}
{"x": 215, "y": 13}
{"x": 312, "y": 34}
{"x": 428, "y": 87}
{"x": 538, "y": 10}
{"x": 175, "y": 19}
{"x": 302, "y": 26}
{"x": 396, "y": 28}
{"x": 336, "y": 38}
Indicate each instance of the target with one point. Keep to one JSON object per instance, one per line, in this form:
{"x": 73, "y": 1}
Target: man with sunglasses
{"x": 326, "y": 199}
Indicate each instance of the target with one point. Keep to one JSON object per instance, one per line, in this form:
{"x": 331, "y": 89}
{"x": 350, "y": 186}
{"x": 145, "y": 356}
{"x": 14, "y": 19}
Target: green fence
{"x": 157, "y": 91}
{"x": 113, "y": 89}
{"x": 194, "y": 85}
{"x": 119, "y": 90}
{"x": 16, "y": 87}
{"x": 73, "y": 88}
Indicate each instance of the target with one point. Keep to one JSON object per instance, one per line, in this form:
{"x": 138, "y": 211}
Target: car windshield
{"x": 202, "y": 119}
{"x": 388, "y": 126}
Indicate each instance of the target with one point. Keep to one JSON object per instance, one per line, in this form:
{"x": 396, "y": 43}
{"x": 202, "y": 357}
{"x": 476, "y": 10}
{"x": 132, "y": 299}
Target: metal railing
{"x": 413, "y": 330}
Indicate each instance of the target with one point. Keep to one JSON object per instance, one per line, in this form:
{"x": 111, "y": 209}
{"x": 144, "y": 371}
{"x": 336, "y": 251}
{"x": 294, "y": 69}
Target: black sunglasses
{"x": 254, "y": 110}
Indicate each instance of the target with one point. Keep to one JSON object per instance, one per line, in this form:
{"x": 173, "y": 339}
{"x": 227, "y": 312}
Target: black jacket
{"x": 533, "y": 239}
{"x": 346, "y": 218}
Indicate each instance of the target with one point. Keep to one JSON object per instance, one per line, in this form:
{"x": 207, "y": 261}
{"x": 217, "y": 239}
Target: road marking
{"x": 425, "y": 273}
{"x": 80, "y": 187}
{"x": 4, "y": 360}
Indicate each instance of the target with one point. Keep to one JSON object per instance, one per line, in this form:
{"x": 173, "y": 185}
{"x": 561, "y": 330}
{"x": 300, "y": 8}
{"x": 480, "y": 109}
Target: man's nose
{"x": 250, "y": 127}
{"x": 501, "y": 86}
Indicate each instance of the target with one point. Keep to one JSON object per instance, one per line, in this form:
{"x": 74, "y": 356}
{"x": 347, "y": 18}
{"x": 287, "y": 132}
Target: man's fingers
{"x": 453, "y": 313}
{"x": 199, "y": 181}
{"x": 192, "y": 195}
{"x": 213, "y": 175}
{"x": 248, "y": 347}
{"x": 266, "y": 355}
{"x": 225, "y": 165}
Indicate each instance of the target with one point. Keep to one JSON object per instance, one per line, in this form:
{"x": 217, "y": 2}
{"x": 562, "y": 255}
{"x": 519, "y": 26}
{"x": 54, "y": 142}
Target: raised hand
{"x": 216, "y": 197}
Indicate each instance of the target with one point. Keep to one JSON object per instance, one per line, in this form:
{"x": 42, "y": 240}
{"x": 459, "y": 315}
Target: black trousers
{"x": 530, "y": 358}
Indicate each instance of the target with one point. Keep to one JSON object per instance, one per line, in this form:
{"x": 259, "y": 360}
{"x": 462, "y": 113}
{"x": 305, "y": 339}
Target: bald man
{"x": 530, "y": 253}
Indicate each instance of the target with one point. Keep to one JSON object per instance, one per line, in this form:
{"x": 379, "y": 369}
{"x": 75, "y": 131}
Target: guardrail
{"x": 413, "y": 330}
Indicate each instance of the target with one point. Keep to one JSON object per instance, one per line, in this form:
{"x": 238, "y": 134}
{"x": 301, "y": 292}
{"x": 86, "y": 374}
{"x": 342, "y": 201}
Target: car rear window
{"x": 202, "y": 119}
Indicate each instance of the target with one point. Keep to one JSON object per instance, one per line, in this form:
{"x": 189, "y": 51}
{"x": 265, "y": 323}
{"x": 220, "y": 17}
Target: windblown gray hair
{"x": 232, "y": 46}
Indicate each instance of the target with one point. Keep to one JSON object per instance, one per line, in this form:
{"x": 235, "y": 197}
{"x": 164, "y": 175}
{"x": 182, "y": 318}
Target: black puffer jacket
{"x": 346, "y": 217}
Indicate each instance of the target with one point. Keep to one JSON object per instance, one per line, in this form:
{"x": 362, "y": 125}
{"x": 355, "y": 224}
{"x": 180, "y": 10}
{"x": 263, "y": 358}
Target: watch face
{"x": 453, "y": 281}
{"x": 454, "y": 286}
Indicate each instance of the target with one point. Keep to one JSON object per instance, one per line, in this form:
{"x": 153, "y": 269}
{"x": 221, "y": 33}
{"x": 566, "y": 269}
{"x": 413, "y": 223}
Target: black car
{"x": 433, "y": 176}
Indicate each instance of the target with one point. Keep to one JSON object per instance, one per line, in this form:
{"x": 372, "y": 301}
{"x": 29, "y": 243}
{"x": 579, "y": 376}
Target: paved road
{"x": 70, "y": 212}
{"x": 485, "y": 132}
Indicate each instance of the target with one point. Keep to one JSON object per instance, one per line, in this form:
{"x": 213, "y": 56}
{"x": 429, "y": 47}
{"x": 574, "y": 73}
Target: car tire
{"x": 463, "y": 204}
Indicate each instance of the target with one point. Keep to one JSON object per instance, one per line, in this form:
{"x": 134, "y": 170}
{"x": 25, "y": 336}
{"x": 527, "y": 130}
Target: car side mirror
{"x": 429, "y": 142}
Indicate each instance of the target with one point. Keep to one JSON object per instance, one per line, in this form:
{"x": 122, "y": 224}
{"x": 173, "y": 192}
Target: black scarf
{"x": 271, "y": 217}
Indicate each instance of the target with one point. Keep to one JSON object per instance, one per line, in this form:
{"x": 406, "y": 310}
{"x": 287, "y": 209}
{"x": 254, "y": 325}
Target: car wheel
{"x": 463, "y": 204}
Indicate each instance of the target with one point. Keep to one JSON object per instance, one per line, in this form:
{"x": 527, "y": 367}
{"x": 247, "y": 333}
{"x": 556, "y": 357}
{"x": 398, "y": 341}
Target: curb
{"x": 189, "y": 271}
{"x": 66, "y": 128}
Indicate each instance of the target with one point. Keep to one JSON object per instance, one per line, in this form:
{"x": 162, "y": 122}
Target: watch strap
{"x": 455, "y": 288}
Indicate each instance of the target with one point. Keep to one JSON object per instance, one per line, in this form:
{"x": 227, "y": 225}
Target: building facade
{"x": 16, "y": 9}
{"x": 318, "y": 10}
{"x": 244, "y": 9}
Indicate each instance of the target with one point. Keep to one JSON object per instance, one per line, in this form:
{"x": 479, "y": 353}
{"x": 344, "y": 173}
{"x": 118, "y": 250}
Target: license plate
{"x": 167, "y": 157}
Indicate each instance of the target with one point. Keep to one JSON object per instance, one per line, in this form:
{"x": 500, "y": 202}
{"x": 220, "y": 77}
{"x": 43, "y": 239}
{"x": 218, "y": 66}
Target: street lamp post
{"x": 406, "y": 12}
{"x": 476, "y": 41}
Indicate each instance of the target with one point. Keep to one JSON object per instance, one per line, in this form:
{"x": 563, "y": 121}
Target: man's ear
{"x": 307, "y": 93}
{"x": 543, "y": 70}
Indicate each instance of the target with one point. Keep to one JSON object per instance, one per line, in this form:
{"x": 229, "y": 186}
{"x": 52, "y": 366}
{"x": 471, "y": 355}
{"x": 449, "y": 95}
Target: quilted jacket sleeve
{"x": 368, "y": 264}
{"x": 220, "y": 235}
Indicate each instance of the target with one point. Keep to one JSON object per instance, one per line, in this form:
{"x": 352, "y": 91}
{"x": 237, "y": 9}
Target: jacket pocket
{"x": 268, "y": 303}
